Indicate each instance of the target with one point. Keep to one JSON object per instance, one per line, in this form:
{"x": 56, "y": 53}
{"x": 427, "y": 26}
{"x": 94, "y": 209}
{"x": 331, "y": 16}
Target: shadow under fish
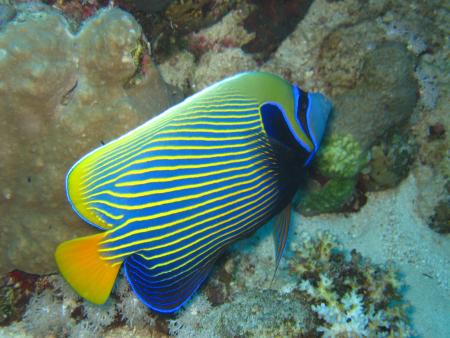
{"x": 174, "y": 193}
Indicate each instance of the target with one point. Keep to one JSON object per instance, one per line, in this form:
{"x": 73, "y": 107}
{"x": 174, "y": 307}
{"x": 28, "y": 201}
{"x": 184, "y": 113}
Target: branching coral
{"x": 131, "y": 310}
{"x": 46, "y": 314}
{"x": 55, "y": 309}
{"x": 350, "y": 296}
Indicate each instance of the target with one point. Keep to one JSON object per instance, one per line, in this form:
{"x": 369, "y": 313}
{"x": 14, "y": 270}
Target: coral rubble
{"x": 256, "y": 313}
{"x": 63, "y": 93}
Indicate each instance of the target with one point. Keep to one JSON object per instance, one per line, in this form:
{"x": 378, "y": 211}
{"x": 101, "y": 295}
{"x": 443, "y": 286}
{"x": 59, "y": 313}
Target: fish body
{"x": 174, "y": 193}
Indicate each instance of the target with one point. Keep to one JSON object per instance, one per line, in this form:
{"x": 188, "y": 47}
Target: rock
{"x": 225, "y": 63}
{"x": 390, "y": 162}
{"x": 249, "y": 314}
{"x": 383, "y": 99}
{"x": 63, "y": 94}
{"x": 7, "y": 13}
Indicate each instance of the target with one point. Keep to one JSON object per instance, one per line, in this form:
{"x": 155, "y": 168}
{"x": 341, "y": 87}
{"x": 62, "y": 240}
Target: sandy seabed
{"x": 388, "y": 228}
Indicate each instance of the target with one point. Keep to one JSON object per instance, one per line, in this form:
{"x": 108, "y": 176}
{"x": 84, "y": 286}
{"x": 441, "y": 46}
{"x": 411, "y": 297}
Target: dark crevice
{"x": 272, "y": 21}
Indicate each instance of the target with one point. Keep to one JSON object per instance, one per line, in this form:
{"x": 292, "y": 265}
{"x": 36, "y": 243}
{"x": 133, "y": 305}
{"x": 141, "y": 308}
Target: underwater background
{"x": 368, "y": 250}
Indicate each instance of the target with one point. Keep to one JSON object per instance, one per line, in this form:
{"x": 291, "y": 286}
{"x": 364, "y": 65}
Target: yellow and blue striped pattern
{"x": 174, "y": 193}
{"x": 177, "y": 191}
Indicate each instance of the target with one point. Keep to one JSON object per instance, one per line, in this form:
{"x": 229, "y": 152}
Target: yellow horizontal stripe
{"x": 185, "y": 198}
{"x": 261, "y": 197}
{"x": 104, "y": 212}
{"x": 200, "y": 138}
{"x": 162, "y": 119}
{"x": 204, "y": 245}
{"x": 220, "y": 244}
{"x": 125, "y": 143}
{"x": 135, "y": 142}
{"x": 270, "y": 202}
{"x": 250, "y": 218}
{"x": 168, "y": 168}
{"x": 206, "y": 130}
{"x": 179, "y": 221}
{"x": 209, "y": 97}
{"x": 197, "y": 110}
{"x": 221, "y": 104}
{"x": 216, "y": 116}
{"x": 182, "y": 177}
{"x": 183, "y": 187}
{"x": 172, "y": 157}
{"x": 215, "y": 123}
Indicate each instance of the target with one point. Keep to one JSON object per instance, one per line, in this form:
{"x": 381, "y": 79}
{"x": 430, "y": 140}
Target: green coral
{"x": 340, "y": 156}
{"x": 331, "y": 197}
{"x": 339, "y": 161}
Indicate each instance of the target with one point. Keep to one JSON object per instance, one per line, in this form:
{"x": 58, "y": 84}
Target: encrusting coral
{"x": 340, "y": 160}
{"x": 65, "y": 90}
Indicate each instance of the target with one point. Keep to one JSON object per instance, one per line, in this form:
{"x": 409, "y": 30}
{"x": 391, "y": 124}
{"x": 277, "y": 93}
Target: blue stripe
{"x": 189, "y": 221}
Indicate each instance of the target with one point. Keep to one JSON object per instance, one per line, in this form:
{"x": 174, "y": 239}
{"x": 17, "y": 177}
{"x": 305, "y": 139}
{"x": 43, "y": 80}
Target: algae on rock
{"x": 63, "y": 94}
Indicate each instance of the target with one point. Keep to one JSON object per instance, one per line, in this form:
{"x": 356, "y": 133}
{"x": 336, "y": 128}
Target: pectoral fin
{"x": 280, "y": 234}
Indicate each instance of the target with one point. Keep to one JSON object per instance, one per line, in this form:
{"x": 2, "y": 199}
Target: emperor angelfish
{"x": 174, "y": 193}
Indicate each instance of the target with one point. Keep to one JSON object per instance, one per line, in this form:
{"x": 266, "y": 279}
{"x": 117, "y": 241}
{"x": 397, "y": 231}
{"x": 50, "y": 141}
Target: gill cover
{"x": 302, "y": 129}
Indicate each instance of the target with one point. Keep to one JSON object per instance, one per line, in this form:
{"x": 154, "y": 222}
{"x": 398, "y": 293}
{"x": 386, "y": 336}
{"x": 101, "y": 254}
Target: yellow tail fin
{"x": 80, "y": 264}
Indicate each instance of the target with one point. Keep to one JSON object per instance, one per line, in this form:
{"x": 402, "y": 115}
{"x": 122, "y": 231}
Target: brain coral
{"x": 63, "y": 91}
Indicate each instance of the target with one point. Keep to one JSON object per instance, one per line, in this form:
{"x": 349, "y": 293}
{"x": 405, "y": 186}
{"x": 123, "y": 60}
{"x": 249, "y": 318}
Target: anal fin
{"x": 165, "y": 293}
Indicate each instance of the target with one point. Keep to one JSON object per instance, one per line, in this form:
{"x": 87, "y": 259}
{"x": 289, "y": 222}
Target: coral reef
{"x": 216, "y": 47}
{"x": 390, "y": 161}
{"x": 284, "y": 17}
{"x": 384, "y": 97}
{"x": 132, "y": 311}
{"x": 329, "y": 197}
{"x": 385, "y": 66}
{"x": 329, "y": 292}
{"x": 350, "y": 296}
{"x": 7, "y": 13}
{"x": 340, "y": 157}
{"x": 368, "y": 71}
{"x": 15, "y": 290}
{"x": 63, "y": 93}
{"x": 228, "y": 33}
{"x": 389, "y": 229}
{"x": 168, "y": 29}
{"x": 54, "y": 309}
{"x": 358, "y": 123}
{"x": 230, "y": 61}
{"x": 255, "y": 313}
{"x": 440, "y": 221}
